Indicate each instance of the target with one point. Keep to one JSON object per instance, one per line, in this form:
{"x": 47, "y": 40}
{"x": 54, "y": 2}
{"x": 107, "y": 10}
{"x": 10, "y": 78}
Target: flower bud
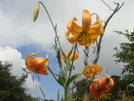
{"x": 36, "y": 12}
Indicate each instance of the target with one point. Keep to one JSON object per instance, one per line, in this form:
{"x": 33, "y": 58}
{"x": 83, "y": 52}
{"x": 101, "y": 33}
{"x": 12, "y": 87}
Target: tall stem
{"x": 54, "y": 28}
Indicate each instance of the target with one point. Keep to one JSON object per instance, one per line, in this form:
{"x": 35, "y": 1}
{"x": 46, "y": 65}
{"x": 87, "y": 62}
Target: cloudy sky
{"x": 20, "y": 36}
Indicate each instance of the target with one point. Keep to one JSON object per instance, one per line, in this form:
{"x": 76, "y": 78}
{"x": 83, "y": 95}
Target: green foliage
{"x": 119, "y": 86}
{"x": 125, "y": 53}
{"x": 73, "y": 78}
{"x": 81, "y": 87}
{"x": 122, "y": 89}
{"x": 10, "y": 86}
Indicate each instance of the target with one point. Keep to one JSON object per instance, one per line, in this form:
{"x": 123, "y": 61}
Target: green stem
{"x": 52, "y": 73}
{"x": 51, "y": 23}
{"x": 65, "y": 94}
{"x": 75, "y": 47}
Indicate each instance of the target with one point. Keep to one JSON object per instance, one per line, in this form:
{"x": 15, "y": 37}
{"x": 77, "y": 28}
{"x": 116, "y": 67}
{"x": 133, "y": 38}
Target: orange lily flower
{"x": 73, "y": 56}
{"x": 100, "y": 87}
{"x": 87, "y": 34}
{"x": 37, "y": 65}
{"x": 92, "y": 70}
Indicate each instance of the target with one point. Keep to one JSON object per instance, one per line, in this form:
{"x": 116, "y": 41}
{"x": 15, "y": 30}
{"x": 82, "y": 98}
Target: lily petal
{"x": 30, "y": 56}
{"x": 97, "y": 69}
{"x": 87, "y": 72}
{"x": 110, "y": 83}
{"x": 72, "y": 39}
{"x": 42, "y": 72}
{"x": 40, "y": 62}
{"x": 86, "y": 21}
{"x": 74, "y": 28}
{"x": 99, "y": 22}
{"x": 96, "y": 28}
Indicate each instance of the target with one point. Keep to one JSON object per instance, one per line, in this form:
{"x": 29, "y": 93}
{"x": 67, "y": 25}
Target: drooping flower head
{"x": 37, "y": 65}
{"x": 100, "y": 87}
{"x": 92, "y": 70}
{"x": 88, "y": 33}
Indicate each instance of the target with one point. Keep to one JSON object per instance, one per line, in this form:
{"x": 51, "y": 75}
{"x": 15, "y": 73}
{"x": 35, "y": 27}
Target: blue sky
{"x": 20, "y": 36}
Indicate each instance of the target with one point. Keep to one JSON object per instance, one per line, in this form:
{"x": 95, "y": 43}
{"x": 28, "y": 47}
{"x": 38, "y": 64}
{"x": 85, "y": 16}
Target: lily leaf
{"x": 61, "y": 81}
{"x": 72, "y": 78}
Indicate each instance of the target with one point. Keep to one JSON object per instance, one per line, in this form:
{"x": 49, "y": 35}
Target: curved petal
{"x": 86, "y": 20}
{"x": 29, "y": 66}
{"x": 74, "y": 28}
{"x": 97, "y": 69}
{"x": 72, "y": 39}
{"x": 99, "y": 22}
{"x": 41, "y": 71}
{"x": 36, "y": 61}
{"x": 96, "y": 28}
{"x": 30, "y": 56}
{"x": 109, "y": 85}
{"x": 28, "y": 60}
{"x": 43, "y": 63}
{"x": 87, "y": 71}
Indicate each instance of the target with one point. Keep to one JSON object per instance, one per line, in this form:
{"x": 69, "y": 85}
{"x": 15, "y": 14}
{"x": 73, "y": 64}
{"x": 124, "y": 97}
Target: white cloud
{"x": 12, "y": 55}
{"x": 32, "y": 86}
{"x": 17, "y": 30}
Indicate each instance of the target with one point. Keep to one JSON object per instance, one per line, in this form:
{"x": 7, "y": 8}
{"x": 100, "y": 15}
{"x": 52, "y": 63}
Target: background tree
{"x": 80, "y": 87}
{"x": 11, "y": 86}
{"x": 125, "y": 54}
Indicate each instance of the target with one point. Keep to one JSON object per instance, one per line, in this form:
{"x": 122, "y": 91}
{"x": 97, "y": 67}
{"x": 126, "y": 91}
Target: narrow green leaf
{"x": 73, "y": 78}
{"x": 61, "y": 81}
